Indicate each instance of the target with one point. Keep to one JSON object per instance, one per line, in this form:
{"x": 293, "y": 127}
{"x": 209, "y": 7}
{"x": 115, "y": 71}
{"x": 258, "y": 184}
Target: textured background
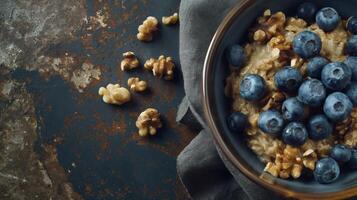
{"x": 58, "y": 139}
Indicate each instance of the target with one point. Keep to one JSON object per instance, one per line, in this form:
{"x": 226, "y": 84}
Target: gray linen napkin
{"x": 200, "y": 165}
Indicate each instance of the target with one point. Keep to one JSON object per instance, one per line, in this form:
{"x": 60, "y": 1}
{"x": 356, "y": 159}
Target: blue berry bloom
{"x": 340, "y": 153}
{"x": 293, "y": 110}
{"x": 351, "y": 92}
{"x": 319, "y": 127}
{"x": 315, "y": 66}
{"x": 351, "y": 62}
{"x": 237, "y": 122}
{"x": 271, "y": 122}
{"x": 288, "y": 79}
{"x": 307, "y": 44}
{"x": 351, "y": 46}
{"x": 336, "y": 76}
{"x": 328, "y": 19}
{"x": 353, "y": 161}
{"x": 337, "y": 107}
{"x": 326, "y": 170}
{"x": 235, "y": 56}
{"x": 306, "y": 11}
{"x": 312, "y": 93}
{"x": 352, "y": 25}
{"x": 295, "y": 134}
{"x": 252, "y": 87}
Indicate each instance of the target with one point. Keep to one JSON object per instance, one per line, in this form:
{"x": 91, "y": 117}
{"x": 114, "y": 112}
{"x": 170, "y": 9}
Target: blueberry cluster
{"x": 330, "y": 90}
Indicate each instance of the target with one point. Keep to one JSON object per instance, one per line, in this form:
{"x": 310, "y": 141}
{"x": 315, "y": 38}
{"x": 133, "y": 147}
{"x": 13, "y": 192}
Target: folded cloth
{"x": 200, "y": 165}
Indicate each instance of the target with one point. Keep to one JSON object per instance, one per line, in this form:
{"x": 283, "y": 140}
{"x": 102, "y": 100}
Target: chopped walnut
{"x": 114, "y": 94}
{"x": 136, "y": 85}
{"x": 147, "y": 28}
{"x": 271, "y": 25}
{"x": 129, "y": 61}
{"x": 259, "y": 36}
{"x": 309, "y": 159}
{"x": 275, "y": 101}
{"x": 280, "y": 43}
{"x": 161, "y": 67}
{"x": 148, "y": 122}
{"x": 170, "y": 20}
{"x": 343, "y": 127}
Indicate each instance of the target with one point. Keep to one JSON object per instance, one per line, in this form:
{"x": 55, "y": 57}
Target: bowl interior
{"x": 221, "y": 107}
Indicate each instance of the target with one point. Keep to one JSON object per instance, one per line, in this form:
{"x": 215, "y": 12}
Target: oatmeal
{"x": 270, "y": 48}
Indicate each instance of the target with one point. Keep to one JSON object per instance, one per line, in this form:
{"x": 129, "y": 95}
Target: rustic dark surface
{"x": 58, "y": 140}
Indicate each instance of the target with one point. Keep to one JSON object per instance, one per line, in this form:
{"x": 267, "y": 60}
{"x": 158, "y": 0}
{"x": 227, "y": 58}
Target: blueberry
{"x": 340, "y": 153}
{"x": 353, "y": 161}
{"x": 326, "y": 170}
{"x": 295, "y": 134}
{"x": 307, "y": 44}
{"x": 351, "y": 45}
{"x": 288, "y": 79}
{"x": 271, "y": 122}
{"x": 351, "y": 62}
{"x": 235, "y": 56}
{"x": 337, "y": 107}
{"x": 306, "y": 11}
{"x": 315, "y": 66}
{"x": 319, "y": 127}
{"x": 252, "y": 87}
{"x": 312, "y": 92}
{"x": 336, "y": 76}
{"x": 237, "y": 122}
{"x": 352, "y": 25}
{"x": 327, "y": 19}
{"x": 351, "y": 92}
{"x": 293, "y": 110}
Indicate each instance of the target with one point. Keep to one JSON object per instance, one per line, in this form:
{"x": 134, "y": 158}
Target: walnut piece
{"x": 130, "y": 61}
{"x": 147, "y": 28}
{"x": 136, "y": 85}
{"x": 259, "y": 36}
{"x": 170, "y": 20}
{"x": 309, "y": 159}
{"x": 114, "y": 94}
{"x": 275, "y": 101}
{"x": 148, "y": 122}
{"x": 161, "y": 67}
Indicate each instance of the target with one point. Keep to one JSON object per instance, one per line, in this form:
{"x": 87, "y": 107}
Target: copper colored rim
{"x": 228, "y": 152}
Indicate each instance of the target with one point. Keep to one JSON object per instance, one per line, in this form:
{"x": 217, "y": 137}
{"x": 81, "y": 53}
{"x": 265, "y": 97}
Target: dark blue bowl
{"x": 233, "y": 29}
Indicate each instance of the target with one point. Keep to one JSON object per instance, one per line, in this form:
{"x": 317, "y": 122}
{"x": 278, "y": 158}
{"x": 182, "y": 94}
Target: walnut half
{"x": 136, "y": 85}
{"x": 114, "y": 94}
{"x": 147, "y": 28}
{"x": 129, "y": 61}
{"x": 148, "y": 122}
{"x": 161, "y": 67}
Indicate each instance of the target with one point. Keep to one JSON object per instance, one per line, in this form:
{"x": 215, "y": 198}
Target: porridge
{"x": 270, "y": 49}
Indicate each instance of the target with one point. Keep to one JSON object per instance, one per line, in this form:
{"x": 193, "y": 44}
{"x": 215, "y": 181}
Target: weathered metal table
{"x": 58, "y": 140}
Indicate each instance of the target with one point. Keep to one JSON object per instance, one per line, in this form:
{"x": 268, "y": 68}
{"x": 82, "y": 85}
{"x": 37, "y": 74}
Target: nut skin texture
{"x": 235, "y": 56}
{"x": 306, "y": 11}
{"x": 295, "y": 134}
{"x": 351, "y": 92}
{"x": 170, "y": 20}
{"x": 315, "y": 66}
{"x": 351, "y": 46}
{"x": 114, "y": 94}
{"x": 326, "y": 170}
{"x": 351, "y": 62}
{"x": 148, "y": 122}
{"x": 237, "y": 122}
{"x": 161, "y": 67}
{"x": 352, "y": 25}
{"x": 327, "y": 19}
{"x": 271, "y": 122}
{"x": 336, "y": 76}
{"x": 307, "y": 44}
{"x": 288, "y": 79}
{"x": 293, "y": 110}
{"x": 341, "y": 153}
{"x": 319, "y": 127}
{"x": 147, "y": 28}
{"x": 129, "y": 61}
{"x": 252, "y": 87}
{"x": 337, "y": 107}
{"x": 136, "y": 85}
{"x": 352, "y": 163}
{"x": 312, "y": 93}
